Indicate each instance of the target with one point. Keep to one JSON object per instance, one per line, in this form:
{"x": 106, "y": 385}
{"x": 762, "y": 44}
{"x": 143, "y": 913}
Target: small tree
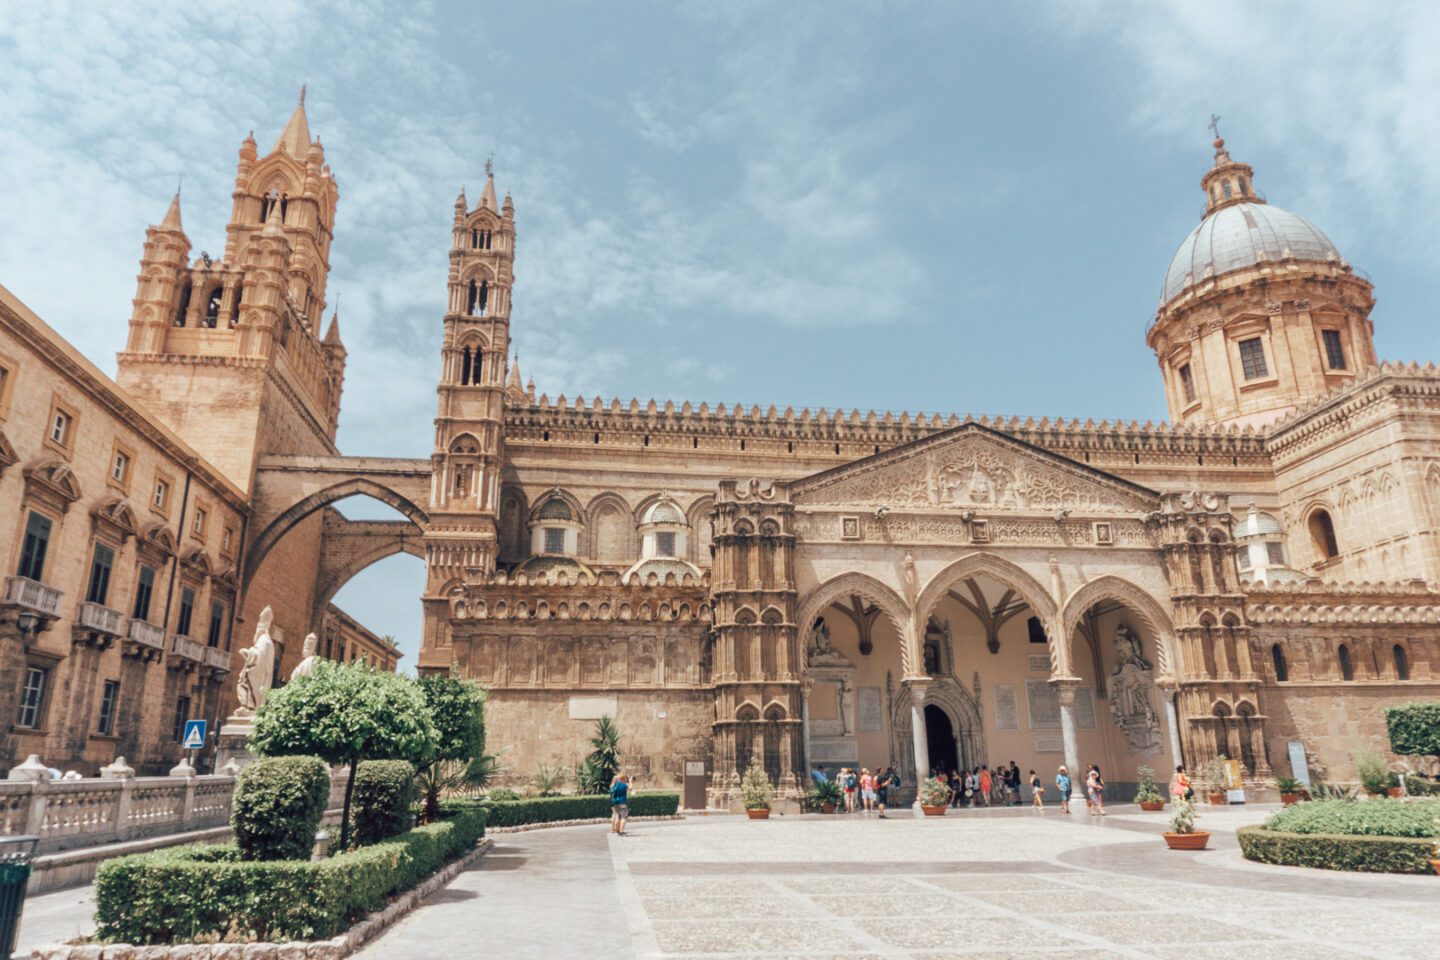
{"x": 1414, "y": 729}
{"x": 457, "y": 708}
{"x": 344, "y": 714}
{"x": 755, "y": 787}
{"x": 598, "y": 770}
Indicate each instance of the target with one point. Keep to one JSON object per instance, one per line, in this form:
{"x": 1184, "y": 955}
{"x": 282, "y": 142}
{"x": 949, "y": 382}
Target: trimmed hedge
{"x": 1420, "y": 787}
{"x": 1367, "y": 854}
{"x": 1414, "y": 729}
{"x": 384, "y": 795}
{"x": 515, "y": 813}
{"x": 203, "y": 893}
{"x": 278, "y": 805}
{"x": 1372, "y": 818}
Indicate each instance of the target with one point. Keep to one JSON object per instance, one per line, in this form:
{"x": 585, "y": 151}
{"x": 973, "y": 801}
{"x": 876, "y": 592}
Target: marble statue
{"x": 308, "y": 659}
{"x": 847, "y": 706}
{"x": 1132, "y": 706}
{"x": 258, "y": 671}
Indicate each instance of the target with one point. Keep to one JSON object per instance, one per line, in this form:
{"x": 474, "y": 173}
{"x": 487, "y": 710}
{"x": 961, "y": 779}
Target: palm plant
{"x": 546, "y": 781}
{"x": 594, "y": 774}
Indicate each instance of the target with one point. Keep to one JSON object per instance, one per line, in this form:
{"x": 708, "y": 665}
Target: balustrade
{"x": 187, "y": 649}
{"x": 100, "y": 619}
{"x": 217, "y": 658}
{"x": 33, "y": 595}
{"x": 147, "y": 635}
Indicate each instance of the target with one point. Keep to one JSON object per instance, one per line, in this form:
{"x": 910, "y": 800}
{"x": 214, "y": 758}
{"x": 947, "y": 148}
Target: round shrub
{"x": 1414, "y": 729}
{"x": 384, "y": 794}
{"x": 277, "y": 807}
{"x": 1375, "y": 818}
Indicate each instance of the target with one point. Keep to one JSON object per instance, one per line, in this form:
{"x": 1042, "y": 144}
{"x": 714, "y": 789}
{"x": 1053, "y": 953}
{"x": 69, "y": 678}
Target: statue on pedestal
{"x": 308, "y": 659}
{"x": 258, "y": 671}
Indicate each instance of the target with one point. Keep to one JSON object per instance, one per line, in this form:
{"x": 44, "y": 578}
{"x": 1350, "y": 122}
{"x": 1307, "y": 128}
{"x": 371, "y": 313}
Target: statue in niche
{"x": 258, "y": 671}
{"x": 1132, "y": 707}
{"x": 819, "y": 651}
{"x": 979, "y": 486}
{"x": 847, "y": 706}
{"x": 308, "y": 659}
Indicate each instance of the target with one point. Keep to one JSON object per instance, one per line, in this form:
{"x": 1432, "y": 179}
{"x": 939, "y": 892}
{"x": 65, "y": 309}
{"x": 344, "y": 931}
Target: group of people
{"x": 869, "y": 793}
{"x": 983, "y": 787}
{"x": 865, "y": 792}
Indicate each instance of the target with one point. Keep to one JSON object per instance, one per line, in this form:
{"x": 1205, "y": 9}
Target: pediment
{"x": 972, "y": 467}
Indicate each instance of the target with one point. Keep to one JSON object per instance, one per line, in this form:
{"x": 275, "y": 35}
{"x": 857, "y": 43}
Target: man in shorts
{"x": 619, "y": 803}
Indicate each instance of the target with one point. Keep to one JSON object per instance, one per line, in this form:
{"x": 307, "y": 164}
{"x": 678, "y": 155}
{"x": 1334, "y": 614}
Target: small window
{"x": 182, "y": 713}
{"x": 1187, "y": 383}
{"x": 100, "y": 567}
{"x": 227, "y": 540}
{"x": 1244, "y": 187}
{"x": 108, "y": 698}
{"x": 1243, "y": 559}
{"x": 162, "y": 495}
{"x": 665, "y": 543}
{"x": 1225, "y": 188}
{"x": 1322, "y": 535}
{"x": 198, "y": 526}
{"x": 60, "y": 428}
{"x": 35, "y": 546}
{"x": 144, "y": 591}
{"x": 1334, "y": 349}
{"x": 184, "y": 306}
{"x": 5, "y": 377}
{"x": 1252, "y": 359}
{"x": 1347, "y": 668}
{"x": 212, "y": 307}
{"x": 1402, "y": 662}
{"x": 554, "y": 539}
{"x": 1036, "y": 630}
{"x": 217, "y": 624}
{"x": 1275, "y": 554}
{"x": 1277, "y": 657}
{"x": 120, "y": 469}
{"x": 187, "y": 612}
{"x": 32, "y": 697}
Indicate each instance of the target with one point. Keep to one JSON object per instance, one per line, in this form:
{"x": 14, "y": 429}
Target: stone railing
{"x": 33, "y": 594}
{"x": 147, "y": 635}
{"x": 187, "y": 649}
{"x": 100, "y": 619}
{"x": 217, "y": 659}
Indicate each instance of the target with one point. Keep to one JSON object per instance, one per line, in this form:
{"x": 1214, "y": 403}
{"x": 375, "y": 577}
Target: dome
{"x": 664, "y": 511}
{"x": 1259, "y": 525}
{"x": 554, "y": 509}
{"x": 1242, "y": 235}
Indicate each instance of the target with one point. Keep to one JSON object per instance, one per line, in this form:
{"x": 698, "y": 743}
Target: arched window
{"x": 465, "y": 366}
{"x": 1402, "y": 662}
{"x": 1322, "y": 535}
{"x": 212, "y": 307}
{"x": 184, "y": 305}
{"x": 239, "y": 295}
{"x": 1282, "y": 669}
{"x": 1347, "y": 668}
{"x": 772, "y": 745}
{"x": 484, "y": 298}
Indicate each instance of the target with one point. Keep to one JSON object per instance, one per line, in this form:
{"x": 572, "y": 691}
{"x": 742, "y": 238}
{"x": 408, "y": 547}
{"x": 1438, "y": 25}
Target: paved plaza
{"x": 994, "y": 884}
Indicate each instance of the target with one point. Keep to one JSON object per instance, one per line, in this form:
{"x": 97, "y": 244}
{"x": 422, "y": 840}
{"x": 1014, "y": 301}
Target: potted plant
{"x": 1370, "y": 769}
{"x": 824, "y": 796}
{"x": 1289, "y": 790}
{"x": 934, "y": 797}
{"x": 1183, "y": 835}
{"x": 1212, "y": 774}
{"x": 1148, "y": 795}
{"x": 758, "y": 793}
{"x": 1435, "y": 863}
{"x": 1392, "y": 785}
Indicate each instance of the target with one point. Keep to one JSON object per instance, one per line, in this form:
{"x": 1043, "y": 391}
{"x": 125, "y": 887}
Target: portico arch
{"x": 858, "y": 584}
{"x": 1138, "y": 601}
{"x": 1012, "y": 576}
{"x": 370, "y": 542}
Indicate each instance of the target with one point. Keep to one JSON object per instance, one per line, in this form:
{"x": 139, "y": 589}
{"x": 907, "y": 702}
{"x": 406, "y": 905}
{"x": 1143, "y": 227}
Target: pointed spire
{"x": 274, "y": 226}
{"x": 487, "y": 199}
{"x": 460, "y": 202}
{"x": 295, "y": 138}
{"x": 513, "y": 383}
{"x": 332, "y": 333}
{"x": 172, "y": 215}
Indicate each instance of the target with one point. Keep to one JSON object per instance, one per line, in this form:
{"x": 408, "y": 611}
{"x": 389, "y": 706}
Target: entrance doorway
{"x": 940, "y": 733}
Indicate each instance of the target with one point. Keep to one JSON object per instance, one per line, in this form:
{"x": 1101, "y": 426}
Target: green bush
{"x": 278, "y": 805}
{"x": 515, "y": 813}
{"x": 1414, "y": 729}
{"x": 1374, "y": 818}
{"x": 204, "y": 893}
{"x": 384, "y": 796}
{"x": 1366, "y": 854}
{"x": 503, "y": 793}
{"x": 1419, "y": 787}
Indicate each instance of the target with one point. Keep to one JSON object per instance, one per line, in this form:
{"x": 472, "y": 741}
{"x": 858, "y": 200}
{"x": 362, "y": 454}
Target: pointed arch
{"x": 1011, "y": 575}
{"x": 1140, "y": 602}
{"x": 610, "y": 534}
{"x": 846, "y": 585}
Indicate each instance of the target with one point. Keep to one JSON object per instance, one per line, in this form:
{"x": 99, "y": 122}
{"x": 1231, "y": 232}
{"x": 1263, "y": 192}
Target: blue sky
{"x": 953, "y": 207}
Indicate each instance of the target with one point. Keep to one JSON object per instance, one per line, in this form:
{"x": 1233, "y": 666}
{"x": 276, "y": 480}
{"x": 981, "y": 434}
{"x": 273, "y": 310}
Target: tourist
{"x": 889, "y": 780}
{"x": 957, "y": 788}
{"x": 1085, "y": 788}
{"x": 1180, "y": 786}
{"x": 867, "y": 790}
{"x": 619, "y": 803}
{"x": 972, "y": 783}
{"x": 986, "y": 784}
{"x": 1095, "y": 791}
{"x": 819, "y": 775}
{"x": 1037, "y": 791}
{"x": 849, "y": 783}
{"x": 1062, "y": 787}
{"x": 1015, "y": 781}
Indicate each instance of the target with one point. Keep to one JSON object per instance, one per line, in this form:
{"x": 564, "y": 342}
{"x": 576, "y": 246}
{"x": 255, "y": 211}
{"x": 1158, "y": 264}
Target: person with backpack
{"x": 1095, "y": 791}
{"x": 850, "y": 784}
{"x": 619, "y": 803}
{"x": 1037, "y": 791}
{"x": 1062, "y": 786}
{"x": 889, "y": 780}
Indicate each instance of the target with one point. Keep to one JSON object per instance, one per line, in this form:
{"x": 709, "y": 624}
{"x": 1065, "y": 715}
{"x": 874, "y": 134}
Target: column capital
{"x": 1065, "y": 689}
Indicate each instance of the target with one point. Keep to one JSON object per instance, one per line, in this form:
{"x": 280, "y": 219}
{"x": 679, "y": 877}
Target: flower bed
{"x": 515, "y": 813}
{"x": 207, "y": 894}
{"x": 1379, "y": 836}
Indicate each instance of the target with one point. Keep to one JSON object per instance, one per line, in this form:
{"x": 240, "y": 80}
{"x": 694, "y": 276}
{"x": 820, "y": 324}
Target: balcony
{"x": 185, "y": 652}
{"x": 217, "y": 659}
{"x": 33, "y": 596}
{"x": 144, "y": 640}
{"x": 93, "y": 618}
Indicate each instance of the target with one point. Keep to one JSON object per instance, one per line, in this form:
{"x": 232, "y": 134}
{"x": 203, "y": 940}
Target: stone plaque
{"x": 694, "y": 768}
{"x": 593, "y": 708}
{"x": 1044, "y": 705}
{"x": 1049, "y": 745}
{"x": 1037, "y": 663}
{"x": 872, "y": 715}
{"x": 1085, "y": 708}
{"x": 1007, "y": 708}
{"x": 825, "y": 701}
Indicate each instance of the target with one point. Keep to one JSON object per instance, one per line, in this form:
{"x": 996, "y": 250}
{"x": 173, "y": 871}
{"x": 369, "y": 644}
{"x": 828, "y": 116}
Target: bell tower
{"x": 469, "y": 421}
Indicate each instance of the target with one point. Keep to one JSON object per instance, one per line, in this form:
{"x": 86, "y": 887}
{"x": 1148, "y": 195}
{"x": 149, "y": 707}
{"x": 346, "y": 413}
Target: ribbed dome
{"x": 664, "y": 511}
{"x": 1258, "y": 525}
{"x": 555, "y": 509}
{"x": 1242, "y": 235}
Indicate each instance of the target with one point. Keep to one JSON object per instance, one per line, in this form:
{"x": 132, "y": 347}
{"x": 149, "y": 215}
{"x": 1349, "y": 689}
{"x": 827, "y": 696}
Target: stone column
{"x": 806, "y": 686}
{"x": 1065, "y": 692}
{"x": 919, "y": 737}
{"x": 1172, "y": 721}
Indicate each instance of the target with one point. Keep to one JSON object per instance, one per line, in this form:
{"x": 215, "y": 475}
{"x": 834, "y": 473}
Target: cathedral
{"x": 1256, "y": 578}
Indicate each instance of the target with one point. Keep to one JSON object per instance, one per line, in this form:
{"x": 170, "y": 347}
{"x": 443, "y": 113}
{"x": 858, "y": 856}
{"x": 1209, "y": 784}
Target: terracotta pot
{"x": 1395, "y": 792}
{"x": 758, "y": 814}
{"x": 1217, "y": 799}
{"x": 936, "y": 811}
{"x": 1289, "y": 798}
{"x": 827, "y": 808}
{"x": 1435, "y": 865}
{"x": 1152, "y": 805}
{"x": 1187, "y": 841}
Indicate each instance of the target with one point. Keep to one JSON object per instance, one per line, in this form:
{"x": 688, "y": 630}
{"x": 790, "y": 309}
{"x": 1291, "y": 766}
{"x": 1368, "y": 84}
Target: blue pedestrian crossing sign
{"x": 194, "y": 735}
